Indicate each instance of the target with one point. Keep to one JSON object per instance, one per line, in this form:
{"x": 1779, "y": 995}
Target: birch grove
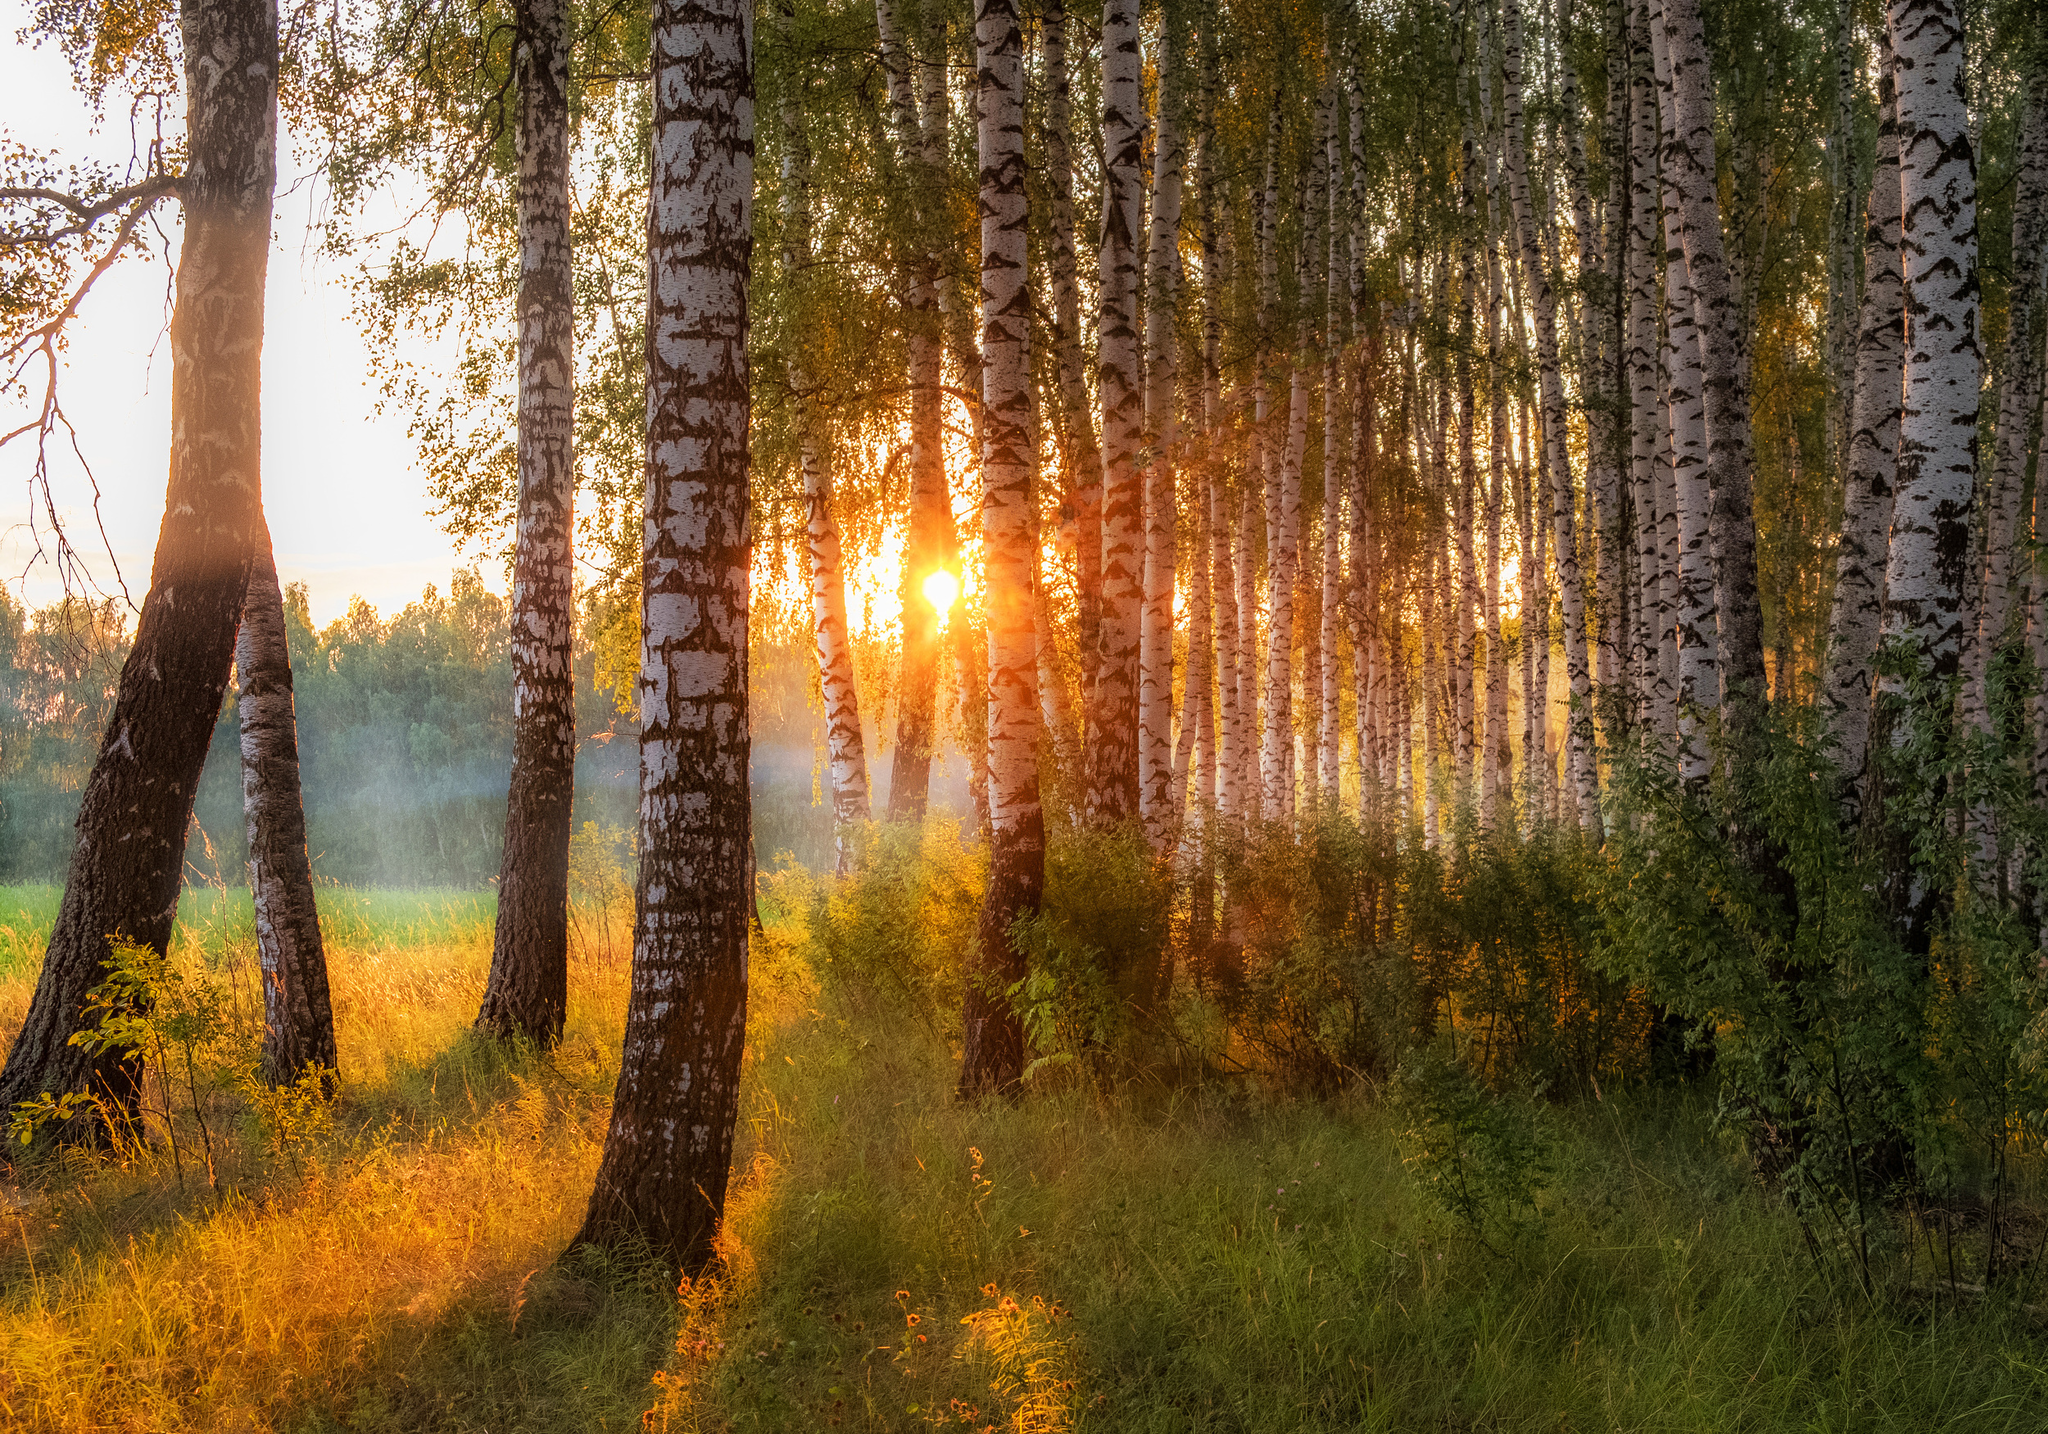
{"x": 1188, "y": 455}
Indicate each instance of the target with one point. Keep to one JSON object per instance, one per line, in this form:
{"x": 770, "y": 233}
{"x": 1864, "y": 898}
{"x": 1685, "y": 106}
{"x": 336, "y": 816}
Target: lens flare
{"x": 940, "y": 589}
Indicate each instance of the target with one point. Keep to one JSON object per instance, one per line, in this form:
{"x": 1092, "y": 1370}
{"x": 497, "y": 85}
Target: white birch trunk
{"x": 1873, "y": 452}
{"x": 1112, "y": 746}
{"x": 661, "y": 1181}
{"x": 1731, "y": 529}
{"x": 1656, "y": 702}
{"x": 1582, "y": 777}
{"x": 993, "y": 1038}
{"x": 845, "y": 750}
{"x": 1158, "y": 797}
{"x": 1926, "y": 602}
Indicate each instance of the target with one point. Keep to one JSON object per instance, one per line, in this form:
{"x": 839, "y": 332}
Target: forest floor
{"x": 1167, "y": 1257}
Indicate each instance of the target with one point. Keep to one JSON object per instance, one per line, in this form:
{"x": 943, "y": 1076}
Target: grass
{"x": 1197, "y": 1258}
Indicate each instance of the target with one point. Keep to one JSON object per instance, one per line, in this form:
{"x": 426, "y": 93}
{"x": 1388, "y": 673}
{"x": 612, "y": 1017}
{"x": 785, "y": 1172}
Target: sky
{"x": 346, "y": 499}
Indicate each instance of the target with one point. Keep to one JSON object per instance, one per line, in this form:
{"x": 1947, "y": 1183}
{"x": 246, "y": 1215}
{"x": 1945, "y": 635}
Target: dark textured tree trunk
{"x": 298, "y": 1019}
{"x": 528, "y": 990}
{"x": 129, "y": 859}
{"x": 993, "y": 1056}
{"x": 668, "y": 1152}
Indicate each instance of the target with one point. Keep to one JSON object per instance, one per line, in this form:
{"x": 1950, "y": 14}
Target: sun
{"x": 940, "y": 589}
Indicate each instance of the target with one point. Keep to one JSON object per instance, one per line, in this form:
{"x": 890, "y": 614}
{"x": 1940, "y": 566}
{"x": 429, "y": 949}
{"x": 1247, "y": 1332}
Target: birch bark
{"x": 1731, "y": 527}
{"x": 527, "y": 992}
{"x": 1582, "y": 779}
{"x": 1861, "y": 556}
{"x": 1656, "y": 703}
{"x": 1112, "y": 746}
{"x": 1077, "y": 424}
{"x": 993, "y": 1058}
{"x": 667, "y": 1154}
{"x": 298, "y": 1016}
{"x": 845, "y": 748}
{"x": 128, "y": 862}
{"x": 1926, "y": 604}
{"x": 1158, "y": 803}
{"x": 1695, "y": 622}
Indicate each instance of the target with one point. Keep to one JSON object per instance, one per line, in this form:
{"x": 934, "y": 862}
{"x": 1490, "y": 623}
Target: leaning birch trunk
{"x": 1158, "y": 802}
{"x": 1873, "y": 455}
{"x": 1112, "y": 745}
{"x": 1082, "y": 454}
{"x": 298, "y": 1018}
{"x": 845, "y": 750}
{"x": 527, "y": 993}
{"x": 661, "y": 1181}
{"x": 129, "y": 859}
{"x": 1582, "y": 778}
{"x": 993, "y": 1045}
{"x": 1731, "y": 532}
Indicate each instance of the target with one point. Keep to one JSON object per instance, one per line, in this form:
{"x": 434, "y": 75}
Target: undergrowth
{"x": 1158, "y": 1237}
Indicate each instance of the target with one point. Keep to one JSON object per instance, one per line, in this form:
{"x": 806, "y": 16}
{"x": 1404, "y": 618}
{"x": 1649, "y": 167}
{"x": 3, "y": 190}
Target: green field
{"x": 1144, "y": 1255}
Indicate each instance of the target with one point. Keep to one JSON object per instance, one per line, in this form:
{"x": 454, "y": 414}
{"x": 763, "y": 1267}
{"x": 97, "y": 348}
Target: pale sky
{"x": 346, "y": 500}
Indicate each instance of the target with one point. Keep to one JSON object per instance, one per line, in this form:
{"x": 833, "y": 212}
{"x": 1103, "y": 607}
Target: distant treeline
{"x": 405, "y": 740}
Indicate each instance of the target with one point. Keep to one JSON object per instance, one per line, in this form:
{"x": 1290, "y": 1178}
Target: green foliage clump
{"x": 1099, "y": 952}
{"x": 1483, "y": 1158}
{"x": 895, "y": 933}
{"x": 1864, "y": 1002}
{"x": 191, "y": 1038}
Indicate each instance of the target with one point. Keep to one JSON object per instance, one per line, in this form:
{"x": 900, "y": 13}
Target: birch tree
{"x": 667, "y": 1152}
{"x": 845, "y": 747}
{"x": 1873, "y": 448}
{"x": 1696, "y": 624}
{"x": 1161, "y": 440}
{"x": 993, "y": 1058}
{"x": 298, "y": 1015}
{"x": 527, "y": 992}
{"x": 1731, "y": 526}
{"x": 930, "y": 519}
{"x": 1111, "y": 752}
{"x": 129, "y": 861}
{"x": 1583, "y": 776}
